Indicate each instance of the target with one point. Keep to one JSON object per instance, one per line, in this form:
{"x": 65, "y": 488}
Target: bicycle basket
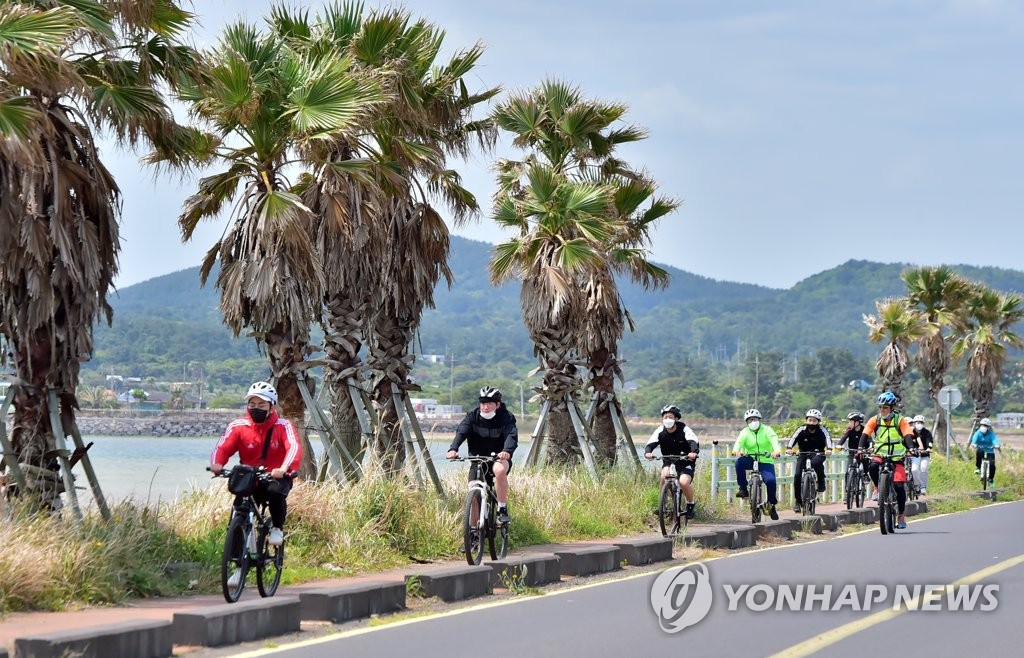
{"x": 243, "y": 480}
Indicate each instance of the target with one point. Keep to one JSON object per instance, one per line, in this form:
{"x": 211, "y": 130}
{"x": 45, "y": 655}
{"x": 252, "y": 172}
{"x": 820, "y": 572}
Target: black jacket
{"x": 487, "y": 436}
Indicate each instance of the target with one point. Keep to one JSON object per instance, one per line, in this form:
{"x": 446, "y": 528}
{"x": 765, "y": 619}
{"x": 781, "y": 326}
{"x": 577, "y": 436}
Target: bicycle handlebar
{"x": 261, "y": 471}
{"x": 477, "y": 458}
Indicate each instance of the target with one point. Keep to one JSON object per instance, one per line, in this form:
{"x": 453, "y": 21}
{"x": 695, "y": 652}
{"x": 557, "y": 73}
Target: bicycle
{"x": 246, "y": 542}
{"x": 808, "y": 484}
{"x": 855, "y": 482}
{"x": 913, "y": 491}
{"x": 755, "y": 486}
{"x": 671, "y": 517}
{"x": 482, "y": 497}
{"x": 986, "y": 465}
{"x": 887, "y": 505}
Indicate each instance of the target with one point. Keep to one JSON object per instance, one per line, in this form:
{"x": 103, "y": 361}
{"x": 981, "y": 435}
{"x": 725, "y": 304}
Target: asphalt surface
{"x": 617, "y": 619}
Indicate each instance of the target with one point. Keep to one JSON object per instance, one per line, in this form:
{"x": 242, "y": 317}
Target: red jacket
{"x": 245, "y": 437}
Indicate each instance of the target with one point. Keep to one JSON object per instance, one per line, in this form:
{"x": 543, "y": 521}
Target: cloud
{"x": 667, "y": 102}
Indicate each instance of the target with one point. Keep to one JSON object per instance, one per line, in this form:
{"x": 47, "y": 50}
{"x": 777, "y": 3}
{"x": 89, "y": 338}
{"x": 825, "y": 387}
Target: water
{"x": 162, "y": 469}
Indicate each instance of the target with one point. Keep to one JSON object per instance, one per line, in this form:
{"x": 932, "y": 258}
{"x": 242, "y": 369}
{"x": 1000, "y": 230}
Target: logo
{"x": 681, "y": 597}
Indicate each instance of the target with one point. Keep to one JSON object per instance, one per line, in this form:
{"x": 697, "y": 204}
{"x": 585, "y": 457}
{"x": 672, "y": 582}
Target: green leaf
{"x": 33, "y": 31}
{"x": 17, "y": 116}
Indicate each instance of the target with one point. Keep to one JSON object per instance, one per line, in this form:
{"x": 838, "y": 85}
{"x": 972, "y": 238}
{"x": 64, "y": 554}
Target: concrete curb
{"x": 531, "y": 570}
{"x": 232, "y": 623}
{"x": 587, "y": 560}
{"x": 811, "y": 524}
{"x": 355, "y": 601}
{"x": 702, "y": 538}
{"x": 832, "y": 521}
{"x": 780, "y": 529}
{"x": 454, "y": 583}
{"x": 643, "y": 551}
{"x": 130, "y": 639}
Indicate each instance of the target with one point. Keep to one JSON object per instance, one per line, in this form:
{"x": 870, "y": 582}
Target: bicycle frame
{"x": 809, "y": 499}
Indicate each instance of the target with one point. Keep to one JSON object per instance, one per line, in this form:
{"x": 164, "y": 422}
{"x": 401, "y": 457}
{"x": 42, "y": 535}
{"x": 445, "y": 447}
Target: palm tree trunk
{"x": 389, "y": 363}
{"x": 603, "y": 367}
{"x": 287, "y": 352}
{"x": 556, "y": 354}
{"x": 343, "y": 340}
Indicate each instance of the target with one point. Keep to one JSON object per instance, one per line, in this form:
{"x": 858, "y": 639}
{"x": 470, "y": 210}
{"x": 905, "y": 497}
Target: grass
{"x": 369, "y": 527}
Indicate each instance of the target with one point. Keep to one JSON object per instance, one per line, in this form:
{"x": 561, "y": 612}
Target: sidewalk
{"x": 733, "y": 535}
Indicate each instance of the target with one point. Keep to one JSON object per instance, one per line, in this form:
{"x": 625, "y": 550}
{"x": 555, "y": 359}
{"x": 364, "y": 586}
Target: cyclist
{"x": 919, "y": 464}
{"x": 757, "y": 437}
{"x": 854, "y": 429}
{"x": 985, "y": 444}
{"x": 674, "y": 437}
{"x": 889, "y": 434}
{"x": 490, "y": 428}
{"x": 248, "y": 436}
{"x": 809, "y": 438}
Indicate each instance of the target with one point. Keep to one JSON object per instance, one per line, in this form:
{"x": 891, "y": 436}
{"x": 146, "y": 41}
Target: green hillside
{"x": 169, "y": 321}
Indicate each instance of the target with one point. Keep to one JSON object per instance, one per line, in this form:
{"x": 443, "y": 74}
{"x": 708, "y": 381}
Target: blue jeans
{"x": 767, "y": 471}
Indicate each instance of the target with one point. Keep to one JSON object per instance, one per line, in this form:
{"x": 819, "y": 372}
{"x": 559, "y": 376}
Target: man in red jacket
{"x": 247, "y": 435}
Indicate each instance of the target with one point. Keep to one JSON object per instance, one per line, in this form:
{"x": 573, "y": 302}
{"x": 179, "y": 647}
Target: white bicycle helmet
{"x": 813, "y": 413}
{"x": 751, "y": 413}
{"x": 490, "y": 394}
{"x": 264, "y": 391}
{"x": 918, "y": 419}
{"x": 986, "y": 422}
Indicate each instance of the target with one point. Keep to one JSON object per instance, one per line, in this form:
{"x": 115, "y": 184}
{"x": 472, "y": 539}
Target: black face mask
{"x": 258, "y": 415}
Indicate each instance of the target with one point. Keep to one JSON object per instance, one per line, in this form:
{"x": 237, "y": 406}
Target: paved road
{"x": 616, "y": 618}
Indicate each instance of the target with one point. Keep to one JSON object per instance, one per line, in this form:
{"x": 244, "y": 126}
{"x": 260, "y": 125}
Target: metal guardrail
{"x": 723, "y": 475}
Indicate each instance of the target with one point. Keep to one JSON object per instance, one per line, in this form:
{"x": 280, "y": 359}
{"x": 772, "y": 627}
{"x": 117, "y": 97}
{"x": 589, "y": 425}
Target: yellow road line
{"x": 830, "y": 637}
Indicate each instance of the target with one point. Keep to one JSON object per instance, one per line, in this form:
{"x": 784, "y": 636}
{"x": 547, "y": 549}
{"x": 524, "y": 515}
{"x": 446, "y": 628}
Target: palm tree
{"x": 991, "y": 318}
{"x": 68, "y": 69}
{"x": 900, "y": 325}
{"x": 940, "y": 294}
{"x": 394, "y": 241}
{"x": 270, "y": 109}
{"x": 575, "y": 138}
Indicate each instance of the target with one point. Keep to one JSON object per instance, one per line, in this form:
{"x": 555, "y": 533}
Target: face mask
{"x": 258, "y": 415}
{"x": 812, "y": 427}
{"x": 983, "y": 428}
{"x": 753, "y": 425}
{"x": 888, "y": 417}
{"x": 918, "y": 426}
{"x": 669, "y": 423}
{"x": 489, "y": 415}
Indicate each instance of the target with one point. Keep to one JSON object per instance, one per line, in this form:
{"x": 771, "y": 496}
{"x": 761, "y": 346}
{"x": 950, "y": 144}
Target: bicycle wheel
{"x": 808, "y": 492}
{"x": 850, "y": 488}
{"x": 472, "y": 538}
{"x": 492, "y": 528}
{"x": 269, "y": 564}
{"x": 984, "y": 473}
{"x": 860, "y": 490}
{"x": 668, "y": 513}
{"x": 884, "y": 511}
{"x": 891, "y": 503}
{"x": 503, "y": 542}
{"x": 235, "y": 556}
{"x": 756, "y": 504}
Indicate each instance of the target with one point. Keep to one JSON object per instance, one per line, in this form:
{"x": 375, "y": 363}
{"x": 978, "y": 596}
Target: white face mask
{"x": 753, "y": 425}
{"x": 488, "y": 415}
{"x": 669, "y": 423}
{"x": 918, "y": 426}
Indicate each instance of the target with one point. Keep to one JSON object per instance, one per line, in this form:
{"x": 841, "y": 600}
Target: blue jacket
{"x": 987, "y": 441}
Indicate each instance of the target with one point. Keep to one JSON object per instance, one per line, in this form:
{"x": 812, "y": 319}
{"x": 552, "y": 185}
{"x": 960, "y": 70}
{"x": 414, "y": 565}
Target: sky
{"x": 796, "y": 134}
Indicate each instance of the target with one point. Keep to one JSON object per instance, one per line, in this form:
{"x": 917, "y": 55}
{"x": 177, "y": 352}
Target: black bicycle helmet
{"x": 672, "y": 409}
{"x": 490, "y": 394}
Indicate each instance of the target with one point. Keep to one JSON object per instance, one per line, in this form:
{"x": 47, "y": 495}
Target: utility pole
{"x": 451, "y": 381}
{"x": 757, "y": 376}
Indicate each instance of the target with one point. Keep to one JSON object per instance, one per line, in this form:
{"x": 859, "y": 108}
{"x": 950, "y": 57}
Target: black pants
{"x": 901, "y": 487}
{"x": 275, "y": 494}
{"x": 818, "y": 464}
{"x": 991, "y": 462}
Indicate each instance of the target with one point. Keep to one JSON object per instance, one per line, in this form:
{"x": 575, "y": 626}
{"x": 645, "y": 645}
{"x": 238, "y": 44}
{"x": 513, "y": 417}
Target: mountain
{"x": 163, "y": 324}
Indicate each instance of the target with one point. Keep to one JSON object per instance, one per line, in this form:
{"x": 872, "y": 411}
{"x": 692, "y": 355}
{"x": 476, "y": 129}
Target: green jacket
{"x": 763, "y": 440}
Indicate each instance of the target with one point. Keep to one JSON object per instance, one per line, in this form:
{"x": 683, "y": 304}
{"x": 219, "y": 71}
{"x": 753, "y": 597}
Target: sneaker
{"x": 743, "y": 493}
{"x": 874, "y": 495}
{"x": 991, "y": 482}
{"x": 276, "y": 537}
{"x": 798, "y": 508}
{"x": 691, "y": 510}
{"x": 901, "y": 524}
{"x": 773, "y": 513}
{"x": 235, "y": 578}
{"x": 474, "y": 542}
{"x": 502, "y": 516}
{"x": 924, "y": 492}
{"x": 821, "y": 488}
{"x": 977, "y": 471}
